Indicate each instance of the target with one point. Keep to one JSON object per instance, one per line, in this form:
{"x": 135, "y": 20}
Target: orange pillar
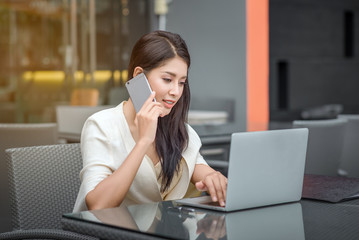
{"x": 257, "y": 65}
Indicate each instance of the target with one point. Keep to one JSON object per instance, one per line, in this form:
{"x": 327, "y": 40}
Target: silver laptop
{"x": 265, "y": 168}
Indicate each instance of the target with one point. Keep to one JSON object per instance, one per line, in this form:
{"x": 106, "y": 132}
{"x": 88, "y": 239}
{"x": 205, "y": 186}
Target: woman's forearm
{"x": 200, "y": 171}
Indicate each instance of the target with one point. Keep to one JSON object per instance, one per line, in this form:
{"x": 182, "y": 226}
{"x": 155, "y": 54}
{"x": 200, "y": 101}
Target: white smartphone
{"x": 139, "y": 90}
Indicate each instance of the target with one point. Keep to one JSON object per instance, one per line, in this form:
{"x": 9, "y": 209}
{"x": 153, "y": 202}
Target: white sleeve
{"x": 98, "y": 162}
{"x": 196, "y": 143}
{"x": 200, "y": 159}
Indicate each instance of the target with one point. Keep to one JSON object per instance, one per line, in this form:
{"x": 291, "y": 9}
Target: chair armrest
{"x": 44, "y": 234}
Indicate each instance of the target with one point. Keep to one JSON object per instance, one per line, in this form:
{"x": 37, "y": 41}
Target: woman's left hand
{"x": 216, "y": 185}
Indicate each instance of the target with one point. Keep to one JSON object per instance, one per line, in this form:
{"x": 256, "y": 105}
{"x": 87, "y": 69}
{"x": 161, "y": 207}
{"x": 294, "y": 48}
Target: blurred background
{"x": 50, "y": 48}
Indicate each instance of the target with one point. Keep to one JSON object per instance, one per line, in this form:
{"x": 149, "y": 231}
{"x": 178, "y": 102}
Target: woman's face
{"x": 168, "y": 82}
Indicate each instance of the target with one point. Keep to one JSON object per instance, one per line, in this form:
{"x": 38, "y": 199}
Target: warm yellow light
{"x": 79, "y": 76}
{"x": 27, "y": 76}
{"x": 100, "y": 76}
{"x": 117, "y": 75}
{"x": 44, "y": 76}
{"x": 124, "y": 75}
{"x": 103, "y": 75}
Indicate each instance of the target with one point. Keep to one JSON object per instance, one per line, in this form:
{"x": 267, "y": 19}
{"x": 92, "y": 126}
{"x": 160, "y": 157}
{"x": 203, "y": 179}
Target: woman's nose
{"x": 174, "y": 89}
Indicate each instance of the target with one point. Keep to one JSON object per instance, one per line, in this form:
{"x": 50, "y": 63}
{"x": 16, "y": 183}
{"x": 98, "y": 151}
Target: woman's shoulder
{"x": 106, "y": 122}
{"x": 108, "y": 114}
{"x": 192, "y": 135}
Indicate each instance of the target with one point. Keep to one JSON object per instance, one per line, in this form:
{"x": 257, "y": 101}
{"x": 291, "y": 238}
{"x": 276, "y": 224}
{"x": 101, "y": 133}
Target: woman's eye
{"x": 183, "y": 83}
{"x": 167, "y": 79}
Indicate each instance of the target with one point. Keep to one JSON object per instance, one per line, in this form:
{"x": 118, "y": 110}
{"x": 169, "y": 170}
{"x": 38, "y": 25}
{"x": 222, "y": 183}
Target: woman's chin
{"x": 165, "y": 113}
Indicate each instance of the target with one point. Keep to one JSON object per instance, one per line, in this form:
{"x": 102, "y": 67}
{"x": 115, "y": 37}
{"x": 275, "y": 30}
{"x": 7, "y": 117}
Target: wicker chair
{"x": 19, "y": 135}
{"x": 44, "y": 181}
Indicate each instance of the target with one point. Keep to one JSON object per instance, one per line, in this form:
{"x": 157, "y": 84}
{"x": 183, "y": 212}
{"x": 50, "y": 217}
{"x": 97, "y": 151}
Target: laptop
{"x": 265, "y": 168}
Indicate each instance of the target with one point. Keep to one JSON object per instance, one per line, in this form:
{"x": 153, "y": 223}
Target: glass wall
{"x": 49, "y": 48}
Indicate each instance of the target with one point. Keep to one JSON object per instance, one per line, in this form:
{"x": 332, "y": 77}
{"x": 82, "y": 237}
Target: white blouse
{"x": 106, "y": 141}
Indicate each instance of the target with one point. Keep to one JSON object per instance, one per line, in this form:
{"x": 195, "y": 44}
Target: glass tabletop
{"x": 171, "y": 220}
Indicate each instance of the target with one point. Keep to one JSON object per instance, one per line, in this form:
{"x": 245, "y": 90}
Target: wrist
{"x": 144, "y": 143}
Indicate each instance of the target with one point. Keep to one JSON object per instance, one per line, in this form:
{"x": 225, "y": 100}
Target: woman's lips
{"x": 168, "y": 103}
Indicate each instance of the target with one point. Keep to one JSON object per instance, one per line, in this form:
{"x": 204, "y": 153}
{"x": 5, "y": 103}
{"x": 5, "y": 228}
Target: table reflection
{"x": 277, "y": 222}
{"x": 170, "y": 220}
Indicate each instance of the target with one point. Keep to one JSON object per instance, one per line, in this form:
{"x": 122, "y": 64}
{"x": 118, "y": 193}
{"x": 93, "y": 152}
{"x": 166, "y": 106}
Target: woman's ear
{"x": 137, "y": 71}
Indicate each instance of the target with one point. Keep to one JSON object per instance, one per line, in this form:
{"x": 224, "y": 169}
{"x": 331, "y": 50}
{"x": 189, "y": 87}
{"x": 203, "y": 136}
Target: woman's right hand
{"x": 147, "y": 118}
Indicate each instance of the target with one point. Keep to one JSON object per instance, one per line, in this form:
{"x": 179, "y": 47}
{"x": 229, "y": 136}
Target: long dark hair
{"x": 151, "y": 51}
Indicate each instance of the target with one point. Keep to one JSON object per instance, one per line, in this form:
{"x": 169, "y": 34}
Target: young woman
{"x": 153, "y": 155}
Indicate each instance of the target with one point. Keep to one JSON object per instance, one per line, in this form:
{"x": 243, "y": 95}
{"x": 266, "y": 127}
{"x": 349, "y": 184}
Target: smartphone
{"x": 139, "y": 90}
